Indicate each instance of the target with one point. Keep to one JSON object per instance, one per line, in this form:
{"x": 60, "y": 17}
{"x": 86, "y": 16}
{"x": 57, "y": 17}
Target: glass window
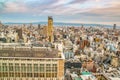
{"x": 5, "y": 74}
{"x": 54, "y": 67}
{"x": 10, "y": 67}
{"x": 4, "y": 67}
{"x": 48, "y": 74}
{"x": 48, "y": 67}
{"x": 35, "y": 74}
{"x": 23, "y": 74}
{"x": 11, "y": 74}
{"x": 17, "y": 67}
{"x": 29, "y": 74}
{"x": 35, "y": 67}
{"x": 41, "y": 74}
{"x": 41, "y": 68}
{"x": 29, "y": 67}
{"x": 17, "y": 74}
{"x": 23, "y": 68}
{"x": 0, "y": 74}
{"x": 54, "y": 74}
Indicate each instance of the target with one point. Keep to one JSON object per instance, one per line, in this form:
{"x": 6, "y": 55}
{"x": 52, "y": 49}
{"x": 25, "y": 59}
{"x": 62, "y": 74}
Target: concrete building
{"x": 30, "y": 63}
{"x": 89, "y": 65}
{"x": 19, "y": 31}
{"x": 115, "y": 61}
{"x": 114, "y": 26}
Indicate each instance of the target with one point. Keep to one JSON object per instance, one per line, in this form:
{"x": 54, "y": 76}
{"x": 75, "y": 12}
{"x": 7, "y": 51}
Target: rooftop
{"x": 33, "y": 52}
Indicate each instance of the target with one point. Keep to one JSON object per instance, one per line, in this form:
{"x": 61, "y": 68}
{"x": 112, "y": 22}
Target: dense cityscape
{"x": 46, "y": 52}
{"x": 59, "y": 39}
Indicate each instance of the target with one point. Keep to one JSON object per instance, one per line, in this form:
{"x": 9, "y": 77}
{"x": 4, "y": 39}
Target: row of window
{"x": 28, "y": 67}
{"x": 9, "y": 74}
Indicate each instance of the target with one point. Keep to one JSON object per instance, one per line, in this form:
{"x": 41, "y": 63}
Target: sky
{"x": 70, "y": 11}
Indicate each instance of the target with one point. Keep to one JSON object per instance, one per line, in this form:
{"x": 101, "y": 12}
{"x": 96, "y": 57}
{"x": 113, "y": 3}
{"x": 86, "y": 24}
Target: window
{"x": 54, "y": 75}
{"x": 5, "y": 74}
{"x": 29, "y": 74}
{"x": 23, "y": 68}
{"x": 41, "y": 74}
{"x": 35, "y": 74}
{"x": 41, "y": 68}
{"x": 48, "y": 75}
{"x": 10, "y": 67}
{"x": 35, "y": 67}
{"x": 17, "y": 67}
{"x": 23, "y": 74}
{"x": 0, "y": 74}
{"x": 17, "y": 74}
{"x": 4, "y": 67}
{"x": 54, "y": 67}
{"x": 11, "y": 74}
{"x": 48, "y": 68}
{"x": 0, "y": 68}
{"x": 29, "y": 67}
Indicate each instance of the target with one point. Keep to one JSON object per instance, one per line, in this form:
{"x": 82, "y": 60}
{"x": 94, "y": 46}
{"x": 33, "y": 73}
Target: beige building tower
{"x": 50, "y": 29}
{"x": 16, "y": 37}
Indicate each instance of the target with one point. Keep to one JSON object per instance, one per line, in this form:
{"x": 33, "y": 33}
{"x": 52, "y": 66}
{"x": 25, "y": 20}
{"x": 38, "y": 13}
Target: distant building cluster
{"x": 44, "y": 52}
{"x": 27, "y": 33}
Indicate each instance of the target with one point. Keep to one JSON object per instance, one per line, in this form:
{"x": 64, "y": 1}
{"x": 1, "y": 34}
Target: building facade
{"x": 20, "y": 64}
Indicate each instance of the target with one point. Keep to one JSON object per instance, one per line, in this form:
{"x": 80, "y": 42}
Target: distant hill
{"x": 64, "y": 24}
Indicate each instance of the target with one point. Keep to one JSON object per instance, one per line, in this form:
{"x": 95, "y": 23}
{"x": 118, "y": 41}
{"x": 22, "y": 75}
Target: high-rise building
{"x": 31, "y": 63}
{"x": 39, "y": 26}
{"x": 50, "y": 29}
{"x": 31, "y": 25}
{"x": 114, "y": 26}
{"x": 16, "y": 37}
{"x": 19, "y": 31}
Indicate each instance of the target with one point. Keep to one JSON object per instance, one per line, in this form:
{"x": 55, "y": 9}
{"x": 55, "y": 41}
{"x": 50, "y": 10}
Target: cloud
{"x": 41, "y": 6}
{"x": 78, "y": 1}
{"x": 15, "y": 7}
{"x": 77, "y": 10}
{"x": 2, "y": 5}
{"x": 112, "y": 11}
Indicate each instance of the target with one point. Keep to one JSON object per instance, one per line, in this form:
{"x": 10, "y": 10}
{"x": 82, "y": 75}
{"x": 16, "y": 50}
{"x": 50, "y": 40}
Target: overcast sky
{"x": 73, "y": 11}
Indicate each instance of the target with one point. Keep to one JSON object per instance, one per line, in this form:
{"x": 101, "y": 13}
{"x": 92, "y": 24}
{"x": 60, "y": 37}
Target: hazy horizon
{"x": 67, "y": 11}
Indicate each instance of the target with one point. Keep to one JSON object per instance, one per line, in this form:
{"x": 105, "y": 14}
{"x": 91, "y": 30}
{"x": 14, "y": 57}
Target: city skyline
{"x": 72, "y": 11}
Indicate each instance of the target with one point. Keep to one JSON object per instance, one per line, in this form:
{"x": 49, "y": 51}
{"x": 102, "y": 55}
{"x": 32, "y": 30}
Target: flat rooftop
{"x": 33, "y": 52}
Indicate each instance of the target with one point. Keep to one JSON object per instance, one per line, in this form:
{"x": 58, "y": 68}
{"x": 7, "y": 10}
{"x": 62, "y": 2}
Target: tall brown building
{"x": 19, "y": 31}
{"x": 39, "y": 26}
{"x": 50, "y": 29}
